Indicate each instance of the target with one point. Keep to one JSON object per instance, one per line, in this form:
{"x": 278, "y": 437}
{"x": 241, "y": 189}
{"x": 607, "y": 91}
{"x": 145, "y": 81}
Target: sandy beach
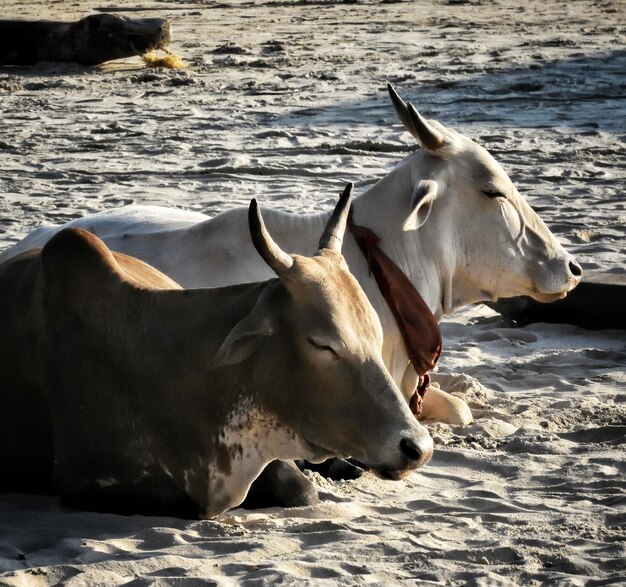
{"x": 285, "y": 101}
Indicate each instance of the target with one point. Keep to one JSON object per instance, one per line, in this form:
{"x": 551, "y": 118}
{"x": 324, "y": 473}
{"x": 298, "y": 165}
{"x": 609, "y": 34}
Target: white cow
{"x": 448, "y": 215}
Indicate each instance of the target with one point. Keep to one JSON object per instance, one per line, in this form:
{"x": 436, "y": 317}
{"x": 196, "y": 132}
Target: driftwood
{"x": 597, "y": 302}
{"x": 89, "y": 41}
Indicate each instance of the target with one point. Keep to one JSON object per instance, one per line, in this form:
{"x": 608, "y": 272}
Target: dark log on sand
{"x": 91, "y": 40}
{"x": 598, "y": 302}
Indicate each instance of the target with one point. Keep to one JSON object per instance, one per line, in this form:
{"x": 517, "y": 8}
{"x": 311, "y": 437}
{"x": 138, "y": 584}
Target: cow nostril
{"x": 575, "y": 269}
{"x": 410, "y": 449}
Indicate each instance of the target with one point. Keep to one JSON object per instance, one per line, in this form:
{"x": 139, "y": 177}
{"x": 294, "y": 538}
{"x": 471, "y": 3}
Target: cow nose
{"x": 410, "y": 449}
{"x": 575, "y": 269}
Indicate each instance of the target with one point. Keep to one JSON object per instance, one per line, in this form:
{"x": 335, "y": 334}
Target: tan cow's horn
{"x": 427, "y": 134}
{"x": 336, "y": 226}
{"x": 272, "y": 254}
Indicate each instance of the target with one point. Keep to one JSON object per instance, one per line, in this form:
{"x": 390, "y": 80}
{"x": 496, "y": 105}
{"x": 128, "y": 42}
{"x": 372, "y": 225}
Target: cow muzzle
{"x": 413, "y": 451}
{"x": 575, "y": 273}
{"x": 559, "y": 282}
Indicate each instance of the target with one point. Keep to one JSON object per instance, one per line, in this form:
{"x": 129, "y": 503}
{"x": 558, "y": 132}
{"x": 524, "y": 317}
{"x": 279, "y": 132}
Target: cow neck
{"x": 418, "y": 326}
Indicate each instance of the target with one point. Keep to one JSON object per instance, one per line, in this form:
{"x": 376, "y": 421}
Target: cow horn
{"x": 427, "y": 134}
{"x": 272, "y": 254}
{"x": 336, "y": 226}
{"x": 401, "y": 109}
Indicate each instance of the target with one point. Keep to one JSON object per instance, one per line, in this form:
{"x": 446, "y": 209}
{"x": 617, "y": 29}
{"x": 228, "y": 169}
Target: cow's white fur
{"x": 252, "y": 437}
{"x": 456, "y": 244}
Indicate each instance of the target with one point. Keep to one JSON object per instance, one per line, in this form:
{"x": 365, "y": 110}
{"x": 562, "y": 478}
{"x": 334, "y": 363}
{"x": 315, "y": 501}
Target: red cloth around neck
{"x": 418, "y": 326}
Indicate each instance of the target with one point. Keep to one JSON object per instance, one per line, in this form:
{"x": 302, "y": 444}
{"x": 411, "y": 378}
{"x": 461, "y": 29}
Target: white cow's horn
{"x": 401, "y": 109}
{"x": 336, "y": 226}
{"x": 272, "y": 254}
{"x": 428, "y": 135}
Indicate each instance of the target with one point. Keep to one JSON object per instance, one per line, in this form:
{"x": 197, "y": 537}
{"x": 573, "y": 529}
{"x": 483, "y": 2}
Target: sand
{"x": 285, "y": 101}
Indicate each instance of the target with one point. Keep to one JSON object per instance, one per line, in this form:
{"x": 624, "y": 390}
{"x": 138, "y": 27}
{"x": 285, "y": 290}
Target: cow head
{"x": 315, "y": 342}
{"x": 488, "y": 241}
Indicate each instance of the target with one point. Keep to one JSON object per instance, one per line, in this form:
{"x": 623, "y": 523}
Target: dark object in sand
{"x": 597, "y": 302}
{"x": 281, "y": 484}
{"x": 89, "y": 41}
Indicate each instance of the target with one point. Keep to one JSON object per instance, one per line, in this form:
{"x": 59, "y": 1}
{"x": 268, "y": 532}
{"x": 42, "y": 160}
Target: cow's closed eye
{"x": 493, "y": 193}
{"x": 322, "y": 346}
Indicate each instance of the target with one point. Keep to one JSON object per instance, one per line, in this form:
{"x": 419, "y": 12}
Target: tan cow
{"x": 123, "y": 392}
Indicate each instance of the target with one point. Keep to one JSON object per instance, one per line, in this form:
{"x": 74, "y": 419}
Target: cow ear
{"x": 421, "y": 202}
{"x": 243, "y": 340}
